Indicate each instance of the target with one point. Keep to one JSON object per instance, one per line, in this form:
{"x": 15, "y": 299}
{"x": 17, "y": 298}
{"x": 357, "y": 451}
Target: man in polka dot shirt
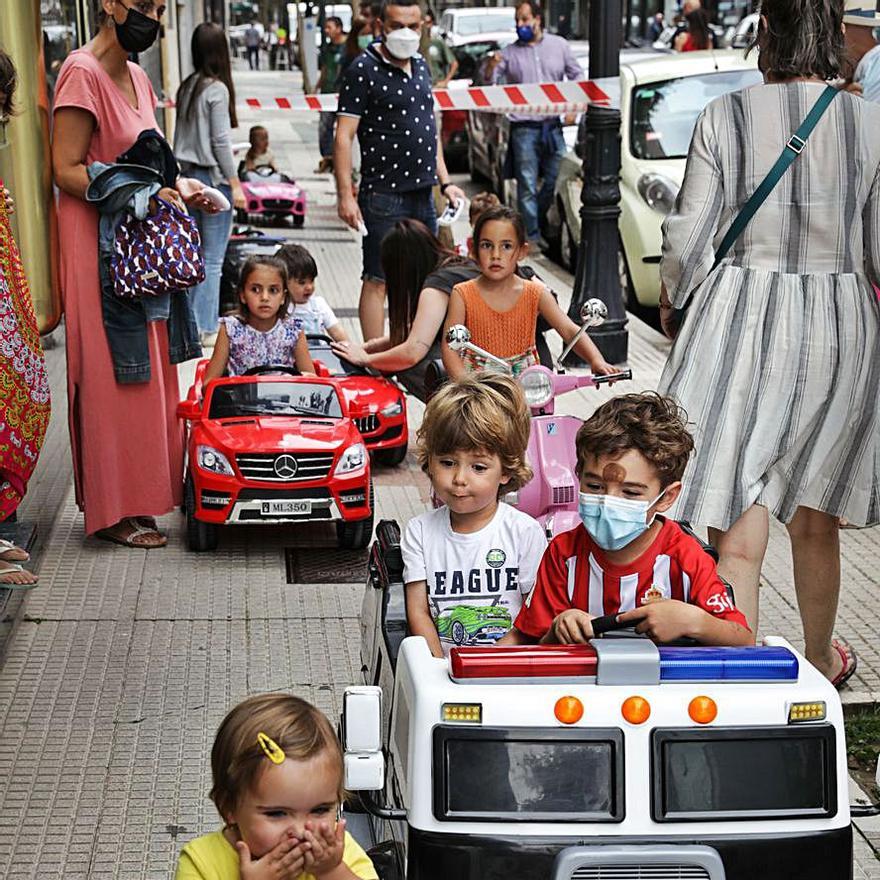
{"x": 386, "y": 100}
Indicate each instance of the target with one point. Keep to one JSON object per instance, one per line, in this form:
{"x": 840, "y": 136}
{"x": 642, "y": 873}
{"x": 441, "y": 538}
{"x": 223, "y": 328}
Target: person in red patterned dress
{"x": 24, "y": 385}
{"x": 626, "y": 558}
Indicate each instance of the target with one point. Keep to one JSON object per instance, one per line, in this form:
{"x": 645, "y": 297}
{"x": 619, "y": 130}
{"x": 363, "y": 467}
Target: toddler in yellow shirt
{"x": 278, "y": 786}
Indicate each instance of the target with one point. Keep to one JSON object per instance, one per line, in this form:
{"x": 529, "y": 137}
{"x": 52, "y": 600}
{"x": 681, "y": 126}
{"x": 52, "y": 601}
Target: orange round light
{"x": 568, "y": 710}
{"x": 702, "y": 710}
{"x": 636, "y": 710}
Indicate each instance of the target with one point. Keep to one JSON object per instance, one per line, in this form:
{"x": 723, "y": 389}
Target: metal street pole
{"x": 597, "y": 265}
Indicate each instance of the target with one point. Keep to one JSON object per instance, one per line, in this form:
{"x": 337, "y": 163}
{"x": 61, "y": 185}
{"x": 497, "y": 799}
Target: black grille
{"x": 388, "y": 434}
{"x": 367, "y": 424}
{"x": 277, "y": 204}
{"x": 309, "y": 466}
{"x": 285, "y": 494}
{"x": 563, "y": 495}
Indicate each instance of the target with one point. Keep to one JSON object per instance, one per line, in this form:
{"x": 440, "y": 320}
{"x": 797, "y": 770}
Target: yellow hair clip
{"x": 273, "y": 751}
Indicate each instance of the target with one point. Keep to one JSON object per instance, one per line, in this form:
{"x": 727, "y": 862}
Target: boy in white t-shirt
{"x": 468, "y": 566}
{"x": 312, "y": 311}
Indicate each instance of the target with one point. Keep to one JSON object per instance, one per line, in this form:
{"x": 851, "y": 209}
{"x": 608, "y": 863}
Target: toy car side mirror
{"x": 458, "y": 336}
{"x": 362, "y": 738}
{"x": 189, "y": 409}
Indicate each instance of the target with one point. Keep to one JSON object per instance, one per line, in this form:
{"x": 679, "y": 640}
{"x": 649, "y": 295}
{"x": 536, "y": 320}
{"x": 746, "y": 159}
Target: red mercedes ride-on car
{"x": 265, "y": 448}
{"x": 377, "y": 405}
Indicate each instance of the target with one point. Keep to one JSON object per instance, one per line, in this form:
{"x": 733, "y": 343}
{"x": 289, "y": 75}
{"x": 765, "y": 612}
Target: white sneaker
{"x": 209, "y": 340}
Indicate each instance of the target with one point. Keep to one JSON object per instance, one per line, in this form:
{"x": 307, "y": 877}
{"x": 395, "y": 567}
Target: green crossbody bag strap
{"x": 791, "y": 151}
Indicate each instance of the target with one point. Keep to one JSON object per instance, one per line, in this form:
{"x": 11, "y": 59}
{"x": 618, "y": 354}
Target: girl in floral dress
{"x": 262, "y": 333}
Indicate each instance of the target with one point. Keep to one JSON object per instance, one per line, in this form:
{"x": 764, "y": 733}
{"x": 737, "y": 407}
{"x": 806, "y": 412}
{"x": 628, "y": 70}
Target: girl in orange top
{"x": 500, "y": 309}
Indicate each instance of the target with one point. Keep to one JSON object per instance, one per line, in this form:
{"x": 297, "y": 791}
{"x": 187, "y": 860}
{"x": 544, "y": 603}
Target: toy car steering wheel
{"x": 263, "y": 369}
{"x": 263, "y": 170}
{"x": 608, "y": 623}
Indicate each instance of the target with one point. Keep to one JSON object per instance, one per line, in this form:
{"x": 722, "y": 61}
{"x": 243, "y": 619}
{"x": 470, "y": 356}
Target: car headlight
{"x": 537, "y": 386}
{"x": 659, "y": 192}
{"x": 354, "y": 458}
{"x": 394, "y": 409}
{"x": 210, "y": 459}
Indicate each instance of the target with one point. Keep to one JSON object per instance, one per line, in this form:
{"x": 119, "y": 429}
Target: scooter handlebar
{"x": 613, "y": 377}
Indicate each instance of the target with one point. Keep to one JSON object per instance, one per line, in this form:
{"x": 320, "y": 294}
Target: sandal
{"x": 24, "y": 580}
{"x": 850, "y": 662}
{"x": 130, "y": 538}
{"x": 9, "y": 552}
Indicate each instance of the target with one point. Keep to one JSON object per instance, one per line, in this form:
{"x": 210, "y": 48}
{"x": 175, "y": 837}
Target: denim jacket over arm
{"x": 117, "y": 190}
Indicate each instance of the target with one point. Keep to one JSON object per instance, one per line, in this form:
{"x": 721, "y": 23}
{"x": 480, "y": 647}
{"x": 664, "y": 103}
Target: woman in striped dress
{"x": 778, "y": 359}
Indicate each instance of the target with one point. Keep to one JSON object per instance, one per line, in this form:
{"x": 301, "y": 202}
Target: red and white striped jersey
{"x": 576, "y": 573}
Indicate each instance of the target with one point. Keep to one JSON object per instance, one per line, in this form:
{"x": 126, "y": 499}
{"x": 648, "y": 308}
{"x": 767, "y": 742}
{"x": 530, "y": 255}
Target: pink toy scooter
{"x": 551, "y": 496}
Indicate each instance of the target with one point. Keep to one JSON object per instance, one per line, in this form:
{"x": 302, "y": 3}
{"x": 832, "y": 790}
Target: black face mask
{"x": 138, "y": 32}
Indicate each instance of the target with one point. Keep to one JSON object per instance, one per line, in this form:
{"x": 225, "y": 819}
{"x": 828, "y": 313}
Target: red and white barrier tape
{"x": 561, "y": 97}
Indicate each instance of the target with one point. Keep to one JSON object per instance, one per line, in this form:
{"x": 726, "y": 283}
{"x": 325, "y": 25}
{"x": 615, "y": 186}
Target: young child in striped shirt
{"x": 626, "y": 558}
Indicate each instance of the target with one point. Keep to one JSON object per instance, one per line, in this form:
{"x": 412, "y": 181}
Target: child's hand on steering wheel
{"x": 571, "y": 627}
{"x": 665, "y": 620}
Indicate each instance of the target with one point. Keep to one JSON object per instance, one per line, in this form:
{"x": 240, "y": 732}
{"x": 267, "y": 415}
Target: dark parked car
{"x": 470, "y": 53}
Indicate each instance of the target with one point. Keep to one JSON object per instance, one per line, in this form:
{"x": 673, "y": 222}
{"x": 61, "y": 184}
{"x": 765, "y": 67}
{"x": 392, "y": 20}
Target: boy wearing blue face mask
{"x": 625, "y": 558}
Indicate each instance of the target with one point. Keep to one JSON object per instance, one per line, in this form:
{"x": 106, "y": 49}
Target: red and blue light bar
{"x": 581, "y": 661}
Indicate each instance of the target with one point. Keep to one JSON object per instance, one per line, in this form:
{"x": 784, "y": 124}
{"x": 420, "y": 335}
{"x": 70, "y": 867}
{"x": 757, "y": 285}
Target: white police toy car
{"x": 617, "y": 759}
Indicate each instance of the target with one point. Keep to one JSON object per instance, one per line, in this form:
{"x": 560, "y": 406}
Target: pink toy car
{"x": 272, "y": 195}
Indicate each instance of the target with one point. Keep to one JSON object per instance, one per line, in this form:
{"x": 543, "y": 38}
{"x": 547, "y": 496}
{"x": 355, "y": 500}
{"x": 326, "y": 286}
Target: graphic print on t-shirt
{"x": 474, "y": 624}
{"x": 475, "y": 582}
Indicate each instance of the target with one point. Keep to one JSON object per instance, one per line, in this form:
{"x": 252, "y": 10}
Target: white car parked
{"x": 489, "y": 22}
{"x": 660, "y": 100}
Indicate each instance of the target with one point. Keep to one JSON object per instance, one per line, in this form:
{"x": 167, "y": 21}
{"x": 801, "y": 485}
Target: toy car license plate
{"x": 274, "y": 508}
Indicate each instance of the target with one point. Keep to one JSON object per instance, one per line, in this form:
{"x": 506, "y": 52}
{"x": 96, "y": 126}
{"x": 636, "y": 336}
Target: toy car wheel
{"x": 298, "y": 221}
{"x": 391, "y": 457}
{"x": 458, "y": 633}
{"x": 200, "y": 536}
{"x": 356, "y": 535}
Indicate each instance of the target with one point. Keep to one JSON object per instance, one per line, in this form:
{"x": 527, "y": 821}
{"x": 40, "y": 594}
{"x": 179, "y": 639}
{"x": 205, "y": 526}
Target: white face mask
{"x": 402, "y": 43}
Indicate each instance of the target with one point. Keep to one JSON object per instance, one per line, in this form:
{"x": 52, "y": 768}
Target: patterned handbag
{"x": 157, "y": 255}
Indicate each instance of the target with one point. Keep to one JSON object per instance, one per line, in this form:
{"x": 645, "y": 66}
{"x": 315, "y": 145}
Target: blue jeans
{"x": 214, "y": 230}
{"x": 381, "y": 210}
{"x": 537, "y": 150}
{"x": 326, "y": 123}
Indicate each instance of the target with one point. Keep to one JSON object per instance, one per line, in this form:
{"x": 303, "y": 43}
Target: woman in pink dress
{"x": 125, "y": 438}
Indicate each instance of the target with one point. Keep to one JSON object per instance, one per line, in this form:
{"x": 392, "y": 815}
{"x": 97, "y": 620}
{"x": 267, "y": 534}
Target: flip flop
{"x": 14, "y": 568}
{"x": 850, "y": 662}
{"x": 19, "y": 554}
{"x": 130, "y": 540}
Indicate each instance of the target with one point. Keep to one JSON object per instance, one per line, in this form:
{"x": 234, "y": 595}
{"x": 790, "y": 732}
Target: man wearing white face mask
{"x": 625, "y": 558}
{"x": 386, "y": 100}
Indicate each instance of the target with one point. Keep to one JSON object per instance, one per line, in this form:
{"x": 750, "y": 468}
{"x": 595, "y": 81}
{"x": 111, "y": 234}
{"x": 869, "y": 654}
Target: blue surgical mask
{"x": 525, "y": 32}
{"x": 614, "y": 522}
{"x": 365, "y": 40}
